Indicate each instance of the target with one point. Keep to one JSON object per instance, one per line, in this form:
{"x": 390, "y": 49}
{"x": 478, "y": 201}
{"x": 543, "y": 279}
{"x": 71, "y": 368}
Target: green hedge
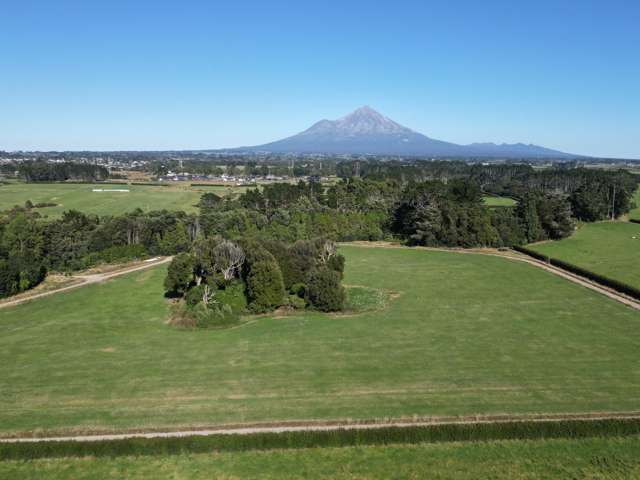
{"x": 596, "y": 277}
{"x": 532, "y": 253}
{"x": 335, "y": 438}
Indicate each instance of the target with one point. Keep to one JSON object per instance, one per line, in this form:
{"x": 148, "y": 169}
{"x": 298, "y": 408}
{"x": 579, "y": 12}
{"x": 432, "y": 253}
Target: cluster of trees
{"x": 40, "y": 171}
{"x": 288, "y": 213}
{"x": 431, "y": 213}
{"x": 594, "y": 194}
{"x": 22, "y": 254}
{"x": 454, "y": 215}
{"x": 30, "y": 246}
{"x": 219, "y": 279}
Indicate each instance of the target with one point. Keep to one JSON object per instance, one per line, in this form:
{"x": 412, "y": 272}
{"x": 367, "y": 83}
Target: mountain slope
{"x": 366, "y": 131}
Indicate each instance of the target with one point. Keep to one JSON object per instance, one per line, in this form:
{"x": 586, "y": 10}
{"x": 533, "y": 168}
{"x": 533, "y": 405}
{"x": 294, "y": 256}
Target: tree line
{"x": 446, "y": 211}
{"x": 41, "y": 171}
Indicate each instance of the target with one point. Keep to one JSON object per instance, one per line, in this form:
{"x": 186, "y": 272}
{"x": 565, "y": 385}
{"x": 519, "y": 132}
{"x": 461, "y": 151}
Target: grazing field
{"x": 81, "y": 197}
{"x": 593, "y": 458}
{"x": 498, "y": 201}
{"x": 635, "y": 213}
{"x": 611, "y": 249}
{"x": 465, "y": 334}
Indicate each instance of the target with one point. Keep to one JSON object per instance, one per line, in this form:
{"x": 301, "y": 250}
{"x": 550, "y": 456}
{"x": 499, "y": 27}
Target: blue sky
{"x": 163, "y": 75}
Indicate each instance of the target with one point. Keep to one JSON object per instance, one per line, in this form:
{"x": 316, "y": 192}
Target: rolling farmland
{"x": 102, "y": 358}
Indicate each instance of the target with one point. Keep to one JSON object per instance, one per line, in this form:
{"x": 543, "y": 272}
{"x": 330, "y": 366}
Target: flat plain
{"x": 591, "y": 458}
{"x": 464, "y": 334}
{"x": 608, "y": 248}
{"x": 81, "y": 197}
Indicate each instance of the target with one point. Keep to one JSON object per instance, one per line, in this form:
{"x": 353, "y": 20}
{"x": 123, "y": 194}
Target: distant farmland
{"x": 464, "y": 334}
{"x": 82, "y": 197}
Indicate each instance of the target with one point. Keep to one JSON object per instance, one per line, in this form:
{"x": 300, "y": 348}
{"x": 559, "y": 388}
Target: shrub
{"x": 233, "y": 295}
{"x": 119, "y": 253}
{"x": 298, "y": 289}
{"x": 296, "y": 302}
{"x": 324, "y": 291}
{"x": 181, "y": 316}
{"x": 214, "y": 315}
{"x": 265, "y": 289}
{"x": 194, "y": 296}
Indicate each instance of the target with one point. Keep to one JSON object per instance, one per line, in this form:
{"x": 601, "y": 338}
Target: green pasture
{"x": 461, "y": 334}
{"x": 82, "y": 197}
{"x": 492, "y": 201}
{"x": 611, "y": 249}
{"x": 592, "y": 458}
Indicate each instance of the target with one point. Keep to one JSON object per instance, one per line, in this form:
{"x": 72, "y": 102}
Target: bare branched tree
{"x": 228, "y": 258}
{"x": 207, "y": 295}
{"x": 327, "y": 251}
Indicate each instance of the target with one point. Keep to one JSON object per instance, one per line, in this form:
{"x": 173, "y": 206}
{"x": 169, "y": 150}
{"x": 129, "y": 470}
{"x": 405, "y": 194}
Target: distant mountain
{"x": 366, "y": 131}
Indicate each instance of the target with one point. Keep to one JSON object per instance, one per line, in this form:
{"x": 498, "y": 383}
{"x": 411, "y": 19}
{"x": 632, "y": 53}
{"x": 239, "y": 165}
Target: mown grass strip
{"x": 520, "y": 430}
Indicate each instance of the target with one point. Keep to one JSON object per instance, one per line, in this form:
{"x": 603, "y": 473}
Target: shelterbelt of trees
{"x": 435, "y": 204}
{"x": 41, "y": 171}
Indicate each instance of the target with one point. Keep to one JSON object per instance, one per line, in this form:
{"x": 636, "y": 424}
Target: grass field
{"x": 595, "y": 458}
{"x": 498, "y": 201}
{"x": 467, "y": 334}
{"x": 81, "y": 197}
{"x": 607, "y": 248}
{"x": 635, "y": 213}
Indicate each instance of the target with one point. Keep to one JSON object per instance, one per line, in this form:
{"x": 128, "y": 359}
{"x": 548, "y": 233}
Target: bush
{"x": 295, "y": 302}
{"x": 298, "y": 289}
{"x": 181, "y": 316}
{"x": 324, "y": 291}
{"x": 215, "y": 315}
{"x": 194, "y": 296}
{"x": 233, "y": 295}
{"x": 265, "y": 289}
{"x": 120, "y": 253}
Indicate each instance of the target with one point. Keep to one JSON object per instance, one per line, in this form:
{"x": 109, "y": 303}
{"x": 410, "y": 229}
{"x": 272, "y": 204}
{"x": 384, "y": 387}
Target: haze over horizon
{"x": 162, "y": 76}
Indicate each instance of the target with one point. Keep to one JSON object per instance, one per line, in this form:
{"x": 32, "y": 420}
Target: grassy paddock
{"x": 465, "y": 334}
{"x": 587, "y": 458}
{"x": 81, "y": 197}
{"x": 606, "y": 248}
{"x": 502, "y": 460}
{"x": 493, "y": 201}
{"x": 313, "y": 439}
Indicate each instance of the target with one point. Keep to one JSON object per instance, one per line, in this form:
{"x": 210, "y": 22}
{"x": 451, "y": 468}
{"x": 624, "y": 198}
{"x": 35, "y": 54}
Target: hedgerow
{"x": 508, "y": 430}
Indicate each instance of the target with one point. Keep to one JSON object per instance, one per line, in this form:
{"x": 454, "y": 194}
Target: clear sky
{"x": 181, "y": 75}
